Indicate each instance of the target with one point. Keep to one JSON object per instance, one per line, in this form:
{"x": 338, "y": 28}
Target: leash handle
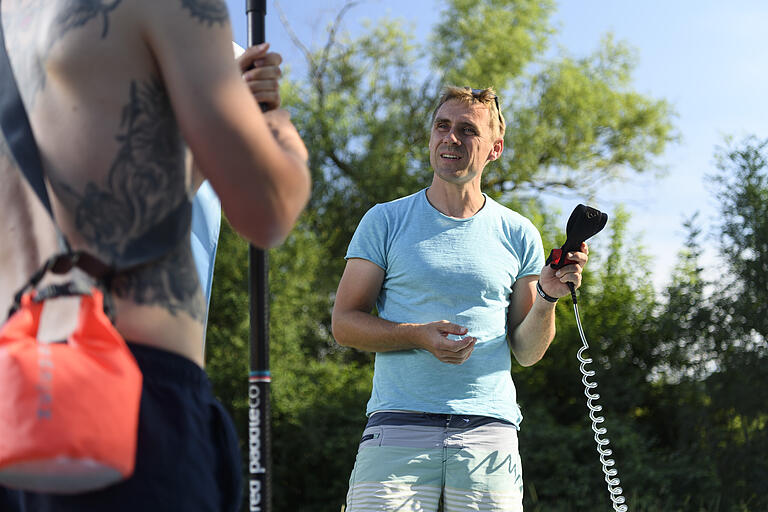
{"x": 584, "y": 223}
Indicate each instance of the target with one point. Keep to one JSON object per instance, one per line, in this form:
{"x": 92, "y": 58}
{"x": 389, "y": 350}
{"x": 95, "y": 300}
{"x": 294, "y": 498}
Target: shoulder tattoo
{"x": 30, "y": 61}
{"x": 207, "y": 11}
{"x": 80, "y": 12}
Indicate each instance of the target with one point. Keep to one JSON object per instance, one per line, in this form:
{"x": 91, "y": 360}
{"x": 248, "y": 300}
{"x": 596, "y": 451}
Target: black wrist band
{"x": 543, "y": 294}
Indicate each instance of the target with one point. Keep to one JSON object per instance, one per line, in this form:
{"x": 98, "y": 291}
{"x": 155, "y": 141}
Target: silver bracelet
{"x": 543, "y": 294}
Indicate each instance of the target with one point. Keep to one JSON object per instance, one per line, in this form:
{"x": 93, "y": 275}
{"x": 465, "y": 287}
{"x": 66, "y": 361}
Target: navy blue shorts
{"x": 187, "y": 456}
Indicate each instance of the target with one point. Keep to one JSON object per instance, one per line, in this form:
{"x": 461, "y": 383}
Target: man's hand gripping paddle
{"x": 584, "y": 223}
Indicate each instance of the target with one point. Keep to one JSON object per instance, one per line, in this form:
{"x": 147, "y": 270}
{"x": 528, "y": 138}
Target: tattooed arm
{"x": 261, "y": 72}
{"x": 258, "y": 170}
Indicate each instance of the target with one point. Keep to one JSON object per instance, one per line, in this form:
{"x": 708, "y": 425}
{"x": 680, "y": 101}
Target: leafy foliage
{"x": 579, "y": 124}
{"x": 742, "y": 185}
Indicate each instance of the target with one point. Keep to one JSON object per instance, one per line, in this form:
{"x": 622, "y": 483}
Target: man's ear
{"x": 498, "y": 148}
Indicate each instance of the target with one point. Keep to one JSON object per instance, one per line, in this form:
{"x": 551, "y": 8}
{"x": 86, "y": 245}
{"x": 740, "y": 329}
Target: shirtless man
{"x": 114, "y": 89}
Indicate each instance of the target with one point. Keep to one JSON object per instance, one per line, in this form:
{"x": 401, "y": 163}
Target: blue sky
{"x": 698, "y": 55}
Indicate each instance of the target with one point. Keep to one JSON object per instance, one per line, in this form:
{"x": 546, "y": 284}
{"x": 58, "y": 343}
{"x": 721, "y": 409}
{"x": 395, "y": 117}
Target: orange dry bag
{"x": 69, "y": 411}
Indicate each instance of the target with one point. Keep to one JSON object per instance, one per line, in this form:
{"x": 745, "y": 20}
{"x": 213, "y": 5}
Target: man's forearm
{"x": 364, "y": 331}
{"x": 531, "y": 339}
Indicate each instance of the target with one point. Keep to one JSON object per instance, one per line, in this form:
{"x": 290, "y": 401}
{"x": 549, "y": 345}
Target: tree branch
{"x": 332, "y": 37}
{"x": 292, "y": 35}
{"x": 318, "y": 74}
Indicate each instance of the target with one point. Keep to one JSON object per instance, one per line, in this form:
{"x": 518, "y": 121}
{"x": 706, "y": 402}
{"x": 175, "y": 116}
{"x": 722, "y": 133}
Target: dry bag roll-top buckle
{"x": 61, "y": 264}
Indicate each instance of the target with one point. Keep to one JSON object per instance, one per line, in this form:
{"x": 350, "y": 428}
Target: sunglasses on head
{"x": 478, "y": 92}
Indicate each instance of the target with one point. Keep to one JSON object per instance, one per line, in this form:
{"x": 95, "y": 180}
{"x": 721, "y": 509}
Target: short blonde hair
{"x": 487, "y": 97}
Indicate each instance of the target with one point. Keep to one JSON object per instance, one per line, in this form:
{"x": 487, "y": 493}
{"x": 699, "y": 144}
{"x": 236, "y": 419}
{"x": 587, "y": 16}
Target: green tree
{"x": 739, "y": 410}
{"x": 685, "y": 325}
{"x": 742, "y": 189}
{"x": 707, "y": 413}
{"x": 676, "y": 413}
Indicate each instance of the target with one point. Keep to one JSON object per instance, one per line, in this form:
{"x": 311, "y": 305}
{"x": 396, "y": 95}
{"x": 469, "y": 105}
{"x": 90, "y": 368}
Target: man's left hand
{"x": 554, "y": 282}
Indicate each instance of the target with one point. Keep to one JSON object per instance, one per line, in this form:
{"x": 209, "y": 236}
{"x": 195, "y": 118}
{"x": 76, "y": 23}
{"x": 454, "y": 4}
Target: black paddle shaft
{"x": 259, "y": 437}
{"x": 255, "y": 12}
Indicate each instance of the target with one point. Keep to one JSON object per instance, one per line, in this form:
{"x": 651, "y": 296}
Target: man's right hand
{"x": 261, "y": 73}
{"x": 434, "y": 338}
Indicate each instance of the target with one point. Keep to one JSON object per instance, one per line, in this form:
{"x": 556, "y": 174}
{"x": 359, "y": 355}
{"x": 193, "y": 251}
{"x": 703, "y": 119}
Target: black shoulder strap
{"x": 18, "y": 132}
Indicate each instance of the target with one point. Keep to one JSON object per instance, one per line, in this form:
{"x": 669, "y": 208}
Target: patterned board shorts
{"x": 414, "y": 461}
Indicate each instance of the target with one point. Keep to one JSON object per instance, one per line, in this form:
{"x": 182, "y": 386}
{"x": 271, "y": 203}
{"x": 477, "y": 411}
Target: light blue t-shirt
{"x": 443, "y": 268}
{"x": 204, "y": 239}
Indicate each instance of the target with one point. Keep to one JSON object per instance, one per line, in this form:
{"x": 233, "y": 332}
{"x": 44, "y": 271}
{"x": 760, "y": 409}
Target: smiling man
{"x": 458, "y": 280}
